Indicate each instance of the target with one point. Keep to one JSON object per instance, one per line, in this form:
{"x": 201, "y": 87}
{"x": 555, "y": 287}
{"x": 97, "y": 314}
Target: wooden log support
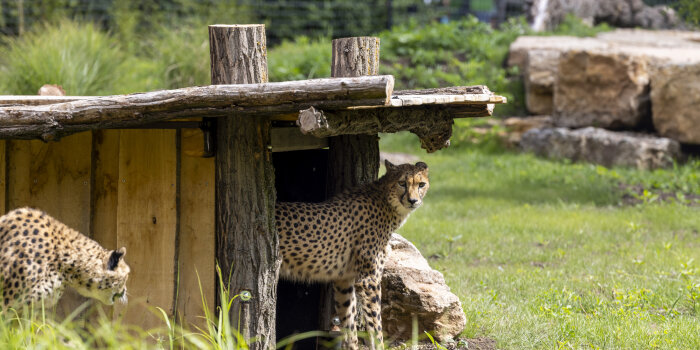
{"x": 246, "y": 240}
{"x": 432, "y": 124}
{"x": 50, "y": 122}
{"x": 353, "y": 160}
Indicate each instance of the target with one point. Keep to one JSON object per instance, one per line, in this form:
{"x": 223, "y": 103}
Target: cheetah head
{"x": 108, "y": 283}
{"x": 407, "y": 186}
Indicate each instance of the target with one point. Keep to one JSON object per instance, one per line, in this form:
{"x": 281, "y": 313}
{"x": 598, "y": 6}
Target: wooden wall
{"x": 146, "y": 190}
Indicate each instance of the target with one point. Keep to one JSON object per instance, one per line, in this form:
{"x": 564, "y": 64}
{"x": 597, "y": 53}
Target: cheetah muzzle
{"x": 40, "y": 256}
{"x": 344, "y": 240}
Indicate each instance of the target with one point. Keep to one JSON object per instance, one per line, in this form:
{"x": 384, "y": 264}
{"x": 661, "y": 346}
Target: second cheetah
{"x": 343, "y": 240}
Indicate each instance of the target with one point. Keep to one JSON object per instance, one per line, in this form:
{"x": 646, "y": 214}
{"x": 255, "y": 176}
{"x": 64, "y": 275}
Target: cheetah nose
{"x": 412, "y": 201}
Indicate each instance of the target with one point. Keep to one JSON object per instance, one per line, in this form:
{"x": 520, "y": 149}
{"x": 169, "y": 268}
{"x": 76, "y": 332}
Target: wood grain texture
{"x": 50, "y": 122}
{"x": 246, "y": 240}
{"x": 147, "y": 221}
{"x": 355, "y": 57}
{"x": 53, "y": 177}
{"x": 432, "y": 124}
{"x": 105, "y": 181}
{"x": 196, "y": 245}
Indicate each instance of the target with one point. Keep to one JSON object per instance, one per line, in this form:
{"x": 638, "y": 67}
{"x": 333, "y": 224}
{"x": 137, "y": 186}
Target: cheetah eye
{"x": 402, "y": 183}
{"x": 421, "y": 184}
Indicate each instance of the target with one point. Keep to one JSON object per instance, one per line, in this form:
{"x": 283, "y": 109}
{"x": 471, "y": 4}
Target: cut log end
{"x": 311, "y": 119}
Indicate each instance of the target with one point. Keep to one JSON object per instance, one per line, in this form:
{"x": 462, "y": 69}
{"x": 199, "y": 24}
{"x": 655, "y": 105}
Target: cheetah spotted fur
{"x": 344, "y": 240}
{"x": 40, "y": 256}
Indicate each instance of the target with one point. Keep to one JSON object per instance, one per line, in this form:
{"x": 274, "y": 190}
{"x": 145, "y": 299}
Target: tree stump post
{"x": 353, "y": 160}
{"x": 246, "y": 239}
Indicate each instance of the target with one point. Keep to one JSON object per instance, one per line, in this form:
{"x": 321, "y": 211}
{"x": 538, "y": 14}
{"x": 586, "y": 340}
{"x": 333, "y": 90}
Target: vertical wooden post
{"x": 352, "y": 159}
{"x": 246, "y": 240}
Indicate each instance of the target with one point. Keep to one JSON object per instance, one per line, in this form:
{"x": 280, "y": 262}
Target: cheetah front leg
{"x": 345, "y": 309}
{"x": 369, "y": 295}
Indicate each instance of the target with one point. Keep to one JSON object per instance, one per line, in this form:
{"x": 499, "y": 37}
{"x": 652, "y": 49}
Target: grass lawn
{"x": 545, "y": 254}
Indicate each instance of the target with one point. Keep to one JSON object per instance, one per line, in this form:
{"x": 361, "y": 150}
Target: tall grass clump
{"x": 78, "y": 56}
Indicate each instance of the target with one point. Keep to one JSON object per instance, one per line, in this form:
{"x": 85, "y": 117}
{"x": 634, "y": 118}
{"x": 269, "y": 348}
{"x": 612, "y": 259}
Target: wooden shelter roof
{"x": 361, "y": 105}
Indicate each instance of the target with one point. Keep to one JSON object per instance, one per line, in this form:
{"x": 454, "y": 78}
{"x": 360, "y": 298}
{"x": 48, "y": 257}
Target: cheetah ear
{"x": 389, "y": 165}
{"x": 114, "y": 258}
{"x": 422, "y": 166}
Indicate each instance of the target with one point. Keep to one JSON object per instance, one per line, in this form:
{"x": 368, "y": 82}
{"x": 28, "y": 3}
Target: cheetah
{"x": 344, "y": 239}
{"x": 39, "y": 256}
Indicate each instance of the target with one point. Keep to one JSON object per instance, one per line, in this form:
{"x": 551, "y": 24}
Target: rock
{"x": 602, "y": 147}
{"x": 548, "y": 14}
{"x": 516, "y": 127}
{"x": 675, "y": 100}
{"x": 410, "y": 287}
{"x": 518, "y": 51}
{"x": 539, "y": 75}
{"x": 51, "y": 90}
{"x": 607, "y": 89}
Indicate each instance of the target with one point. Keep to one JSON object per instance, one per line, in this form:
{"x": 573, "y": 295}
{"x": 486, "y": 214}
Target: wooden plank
{"x": 196, "y": 244}
{"x": 291, "y": 139}
{"x": 147, "y": 221}
{"x": 3, "y": 178}
{"x": 54, "y": 177}
{"x": 105, "y": 171}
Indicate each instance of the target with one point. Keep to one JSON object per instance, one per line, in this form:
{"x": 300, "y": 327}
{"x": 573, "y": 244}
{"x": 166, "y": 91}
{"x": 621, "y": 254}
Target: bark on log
{"x": 432, "y": 124}
{"x": 55, "y": 120}
{"x": 454, "y": 90}
{"x": 246, "y": 239}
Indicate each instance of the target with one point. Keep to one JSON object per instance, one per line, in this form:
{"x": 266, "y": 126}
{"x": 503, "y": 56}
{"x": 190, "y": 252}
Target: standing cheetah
{"x": 39, "y": 256}
{"x": 343, "y": 240}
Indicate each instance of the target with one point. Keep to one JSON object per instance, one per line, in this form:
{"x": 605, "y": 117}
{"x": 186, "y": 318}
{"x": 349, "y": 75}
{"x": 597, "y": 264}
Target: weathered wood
{"x": 50, "y": 122}
{"x": 147, "y": 221}
{"x": 105, "y": 180}
{"x": 355, "y": 57}
{"x": 246, "y": 240}
{"x": 55, "y": 178}
{"x": 432, "y": 124}
{"x": 353, "y": 160}
{"x": 453, "y": 90}
{"x": 196, "y": 244}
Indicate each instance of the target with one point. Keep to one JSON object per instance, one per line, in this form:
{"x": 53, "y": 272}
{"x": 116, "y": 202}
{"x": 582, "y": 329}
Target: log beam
{"x": 50, "y": 122}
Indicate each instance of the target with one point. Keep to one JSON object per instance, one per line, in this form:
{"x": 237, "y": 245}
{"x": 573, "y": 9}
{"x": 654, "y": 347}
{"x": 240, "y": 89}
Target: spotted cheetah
{"x": 343, "y": 240}
{"x": 39, "y": 256}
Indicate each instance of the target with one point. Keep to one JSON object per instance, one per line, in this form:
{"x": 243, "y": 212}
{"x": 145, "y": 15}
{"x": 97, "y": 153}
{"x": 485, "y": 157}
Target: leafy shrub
{"x": 302, "y": 58}
{"x": 80, "y": 57}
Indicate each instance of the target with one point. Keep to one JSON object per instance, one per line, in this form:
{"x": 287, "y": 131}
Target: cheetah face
{"x": 410, "y": 185}
{"x": 108, "y": 284}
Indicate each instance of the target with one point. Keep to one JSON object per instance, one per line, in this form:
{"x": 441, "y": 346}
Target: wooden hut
{"x": 187, "y": 178}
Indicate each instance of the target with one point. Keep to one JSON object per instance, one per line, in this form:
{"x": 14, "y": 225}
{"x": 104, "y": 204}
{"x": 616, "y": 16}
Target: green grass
{"x": 544, "y": 255}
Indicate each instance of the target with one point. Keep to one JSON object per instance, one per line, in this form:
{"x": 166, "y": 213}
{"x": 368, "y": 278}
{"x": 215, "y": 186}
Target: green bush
{"x": 79, "y": 57}
{"x": 300, "y": 59}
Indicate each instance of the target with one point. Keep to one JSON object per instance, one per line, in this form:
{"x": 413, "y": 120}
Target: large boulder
{"x": 608, "y": 89}
{"x": 539, "y": 76}
{"x": 410, "y": 288}
{"x": 518, "y": 51}
{"x": 602, "y": 147}
{"x": 675, "y": 100}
